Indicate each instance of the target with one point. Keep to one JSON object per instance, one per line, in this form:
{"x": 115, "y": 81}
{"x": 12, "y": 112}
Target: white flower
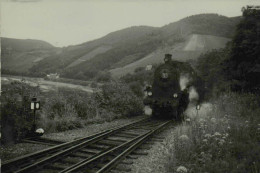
{"x": 184, "y": 138}
{"x": 188, "y": 119}
{"x": 207, "y": 136}
{"x": 228, "y": 127}
{"x": 246, "y": 121}
{"x": 182, "y": 169}
{"x": 213, "y": 120}
{"x": 217, "y": 134}
{"x": 205, "y": 140}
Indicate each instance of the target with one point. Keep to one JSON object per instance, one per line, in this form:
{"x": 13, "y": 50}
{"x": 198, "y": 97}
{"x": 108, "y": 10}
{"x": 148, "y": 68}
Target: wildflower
{"x": 228, "y": 127}
{"x": 188, "y": 119}
{"x": 184, "y": 138}
{"x": 201, "y": 120}
{"x": 213, "y": 120}
{"x": 205, "y": 140}
{"x": 207, "y": 135}
{"x": 246, "y": 121}
{"x": 217, "y": 134}
{"x": 182, "y": 169}
{"x": 221, "y": 142}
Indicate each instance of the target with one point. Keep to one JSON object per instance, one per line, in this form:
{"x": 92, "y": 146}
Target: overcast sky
{"x": 69, "y": 22}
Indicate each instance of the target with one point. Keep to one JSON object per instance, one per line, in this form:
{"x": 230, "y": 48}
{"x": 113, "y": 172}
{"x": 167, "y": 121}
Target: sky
{"x": 70, "y": 22}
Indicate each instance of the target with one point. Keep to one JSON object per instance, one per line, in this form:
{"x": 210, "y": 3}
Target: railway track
{"x": 98, "y": 153}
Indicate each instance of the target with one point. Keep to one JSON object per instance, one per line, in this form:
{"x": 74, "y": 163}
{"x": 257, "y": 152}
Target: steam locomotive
{"x": 168, "y": 96}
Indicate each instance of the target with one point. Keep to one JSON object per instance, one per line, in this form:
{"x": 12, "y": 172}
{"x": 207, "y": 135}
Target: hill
{"x": 19, "y": 55}
{"x": 11, "y": 44}
{"x": 191, "y": 49}
{"x": 131, "y": 47}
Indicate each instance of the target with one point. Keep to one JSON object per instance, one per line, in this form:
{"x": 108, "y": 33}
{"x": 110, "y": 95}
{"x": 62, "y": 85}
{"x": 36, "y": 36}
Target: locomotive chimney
{"x": 167, "y": 58}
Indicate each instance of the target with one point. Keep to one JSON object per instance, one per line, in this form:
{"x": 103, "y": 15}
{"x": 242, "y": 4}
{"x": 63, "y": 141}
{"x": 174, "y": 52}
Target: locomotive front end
{"x": 164, "y": 95}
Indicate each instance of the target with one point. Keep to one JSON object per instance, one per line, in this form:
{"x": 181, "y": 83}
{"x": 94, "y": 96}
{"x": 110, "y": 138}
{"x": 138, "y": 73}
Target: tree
{"x": 243, "y": 66}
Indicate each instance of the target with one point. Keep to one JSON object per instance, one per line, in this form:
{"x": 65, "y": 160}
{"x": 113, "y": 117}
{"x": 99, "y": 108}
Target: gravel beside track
{"x": 20, "y": 149}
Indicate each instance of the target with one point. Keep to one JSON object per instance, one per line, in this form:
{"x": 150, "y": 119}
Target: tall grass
{"x": 222, "y": 137}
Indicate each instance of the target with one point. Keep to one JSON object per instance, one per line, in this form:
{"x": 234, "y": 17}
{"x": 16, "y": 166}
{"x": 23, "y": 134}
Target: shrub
{"x": 16, "y": 116}
{"x": 116, "y": 97}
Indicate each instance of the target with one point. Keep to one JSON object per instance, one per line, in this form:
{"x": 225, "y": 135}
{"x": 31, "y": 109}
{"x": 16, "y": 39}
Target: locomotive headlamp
{"x": 39, "y": 132}
{"x": 149, "y": 93}
{"x": 175, "y": 95}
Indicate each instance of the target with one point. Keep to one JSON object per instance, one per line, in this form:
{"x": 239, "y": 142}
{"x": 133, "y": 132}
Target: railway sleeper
{"x": 139, "y": 153}
{"x": 138, "y": 131}
{"x": 74, "y": 159}
{"x": 127, "y": 162}
{"x": 87, "y": 152}
{"x": 90, "y": 150}
{"x": 130, "y": 134}
{"x": 145, "y": 147}
{"x": 84, "y": 153}
{"x": 98, "y": 147}
{"x": 157, "y": 137}
{"x": 68, "y": 160}
{"x": 59, "y": 165}
{"x": 110, "y": 142}
{"x": 78, "y": 155}
{"x": 47, "y": 170}
{"x": 156, "y": 140}
{"x": 125, "y": 136}
{"x": 116, "y": 139}
{"x": 131, "y": 156}
{"x": 122, "y": 168}
{"x": 52, "y": 168}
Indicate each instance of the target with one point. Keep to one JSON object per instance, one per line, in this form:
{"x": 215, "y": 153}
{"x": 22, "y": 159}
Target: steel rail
{"x": 131, "y": 148}
{"x": 8, "y": 166}
{"x": 142, "y": 137}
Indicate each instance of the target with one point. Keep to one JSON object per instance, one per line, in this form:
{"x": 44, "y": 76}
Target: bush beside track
{"x": 67, "y": 109}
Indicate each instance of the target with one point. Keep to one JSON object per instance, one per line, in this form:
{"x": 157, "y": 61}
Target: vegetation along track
{"x": 98, "y": 153}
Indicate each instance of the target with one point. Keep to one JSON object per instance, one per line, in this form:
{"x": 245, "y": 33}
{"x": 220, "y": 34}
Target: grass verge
{"x": 222, "y": 137}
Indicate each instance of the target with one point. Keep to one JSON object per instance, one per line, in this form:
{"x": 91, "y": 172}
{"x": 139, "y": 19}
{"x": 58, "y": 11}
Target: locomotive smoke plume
{"x": 184, "y": 80}
{"x": 148, "y": 110}
{"x": 193, "y": 94}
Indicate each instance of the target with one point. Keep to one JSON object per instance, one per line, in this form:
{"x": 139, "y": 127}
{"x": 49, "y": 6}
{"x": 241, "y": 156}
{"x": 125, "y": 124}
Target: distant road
{"x": 46, "y": 85}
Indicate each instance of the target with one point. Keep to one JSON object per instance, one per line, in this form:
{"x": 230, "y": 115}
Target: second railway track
{"x": 98, "y": 153}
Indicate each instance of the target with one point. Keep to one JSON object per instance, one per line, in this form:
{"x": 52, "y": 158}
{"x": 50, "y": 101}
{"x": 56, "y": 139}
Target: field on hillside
{"x": 191, "y": 49}
{"x": 45, "y": 85}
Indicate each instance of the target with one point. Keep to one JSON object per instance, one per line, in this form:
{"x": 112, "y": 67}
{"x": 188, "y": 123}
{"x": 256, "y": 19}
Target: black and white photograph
{"x": 130, "y": 86}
